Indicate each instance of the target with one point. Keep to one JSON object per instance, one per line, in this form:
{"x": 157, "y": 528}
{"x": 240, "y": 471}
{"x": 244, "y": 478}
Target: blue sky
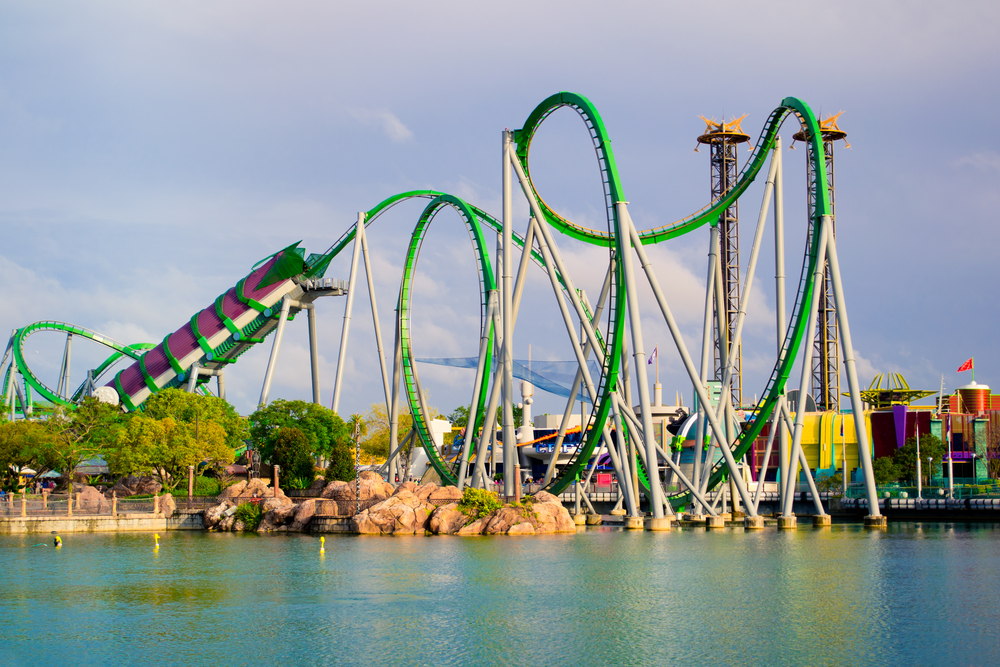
{"x": 150, "y": 153}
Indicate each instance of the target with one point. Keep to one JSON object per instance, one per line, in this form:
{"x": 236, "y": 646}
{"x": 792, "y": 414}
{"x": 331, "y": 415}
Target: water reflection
{"x": 916, "y": 593}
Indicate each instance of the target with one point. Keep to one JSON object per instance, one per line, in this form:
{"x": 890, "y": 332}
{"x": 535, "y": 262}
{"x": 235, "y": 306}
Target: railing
{"x": 964, "y": 488}
{"x": 12, "y": 505}
{"x": 343, "y": 508}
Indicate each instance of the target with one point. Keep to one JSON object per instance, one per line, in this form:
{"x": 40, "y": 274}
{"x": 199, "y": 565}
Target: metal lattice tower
{"x": 722, "y": 139}
{"x": 826, "y": 346}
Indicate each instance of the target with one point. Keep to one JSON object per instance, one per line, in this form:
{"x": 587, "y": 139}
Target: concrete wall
{"x": 100, "y": 524}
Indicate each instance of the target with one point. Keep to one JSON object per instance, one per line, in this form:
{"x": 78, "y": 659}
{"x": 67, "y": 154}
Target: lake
{"x": 914, "y": 594}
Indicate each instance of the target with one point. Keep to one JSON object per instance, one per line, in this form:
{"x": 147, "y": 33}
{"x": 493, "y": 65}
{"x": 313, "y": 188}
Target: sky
{"x": 151, "y": 153}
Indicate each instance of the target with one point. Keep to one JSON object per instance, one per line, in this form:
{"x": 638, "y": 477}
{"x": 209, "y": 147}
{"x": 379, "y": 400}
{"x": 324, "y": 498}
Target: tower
{"x": 826, "y": 346}
{"x": 722, "y": 139}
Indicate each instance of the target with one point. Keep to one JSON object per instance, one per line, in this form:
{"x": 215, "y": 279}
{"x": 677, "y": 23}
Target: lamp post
{"x": 920, "y": 476}
{"x": 975, "y": 474}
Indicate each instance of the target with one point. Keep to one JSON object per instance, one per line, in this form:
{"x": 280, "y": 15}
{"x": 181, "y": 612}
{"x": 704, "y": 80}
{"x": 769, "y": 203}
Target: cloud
{"x": 986, "y": 161}
{"x": 392, "y": 127}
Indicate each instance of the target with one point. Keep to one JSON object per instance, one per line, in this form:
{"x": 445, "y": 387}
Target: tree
{"x": 193, "y": 408}
{"x": 292, "y": 453}
{"x": 165, "y": 448}
{"x": 459, "y": 417}
{"x": 906, "y": 458}
{"x": 376, "y": 442}
{"x": 885, "y": 470}
{"x": 24, "y": 444}
{"x": 82, "y": 434}
{"x": 324, "y": 429}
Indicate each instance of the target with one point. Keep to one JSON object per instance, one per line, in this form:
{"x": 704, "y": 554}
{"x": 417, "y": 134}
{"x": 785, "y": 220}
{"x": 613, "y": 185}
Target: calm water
{"x": 917, "y": 594}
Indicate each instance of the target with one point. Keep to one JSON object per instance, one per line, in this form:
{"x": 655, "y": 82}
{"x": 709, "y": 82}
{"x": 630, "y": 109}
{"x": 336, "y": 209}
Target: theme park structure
{"x": 607, "y": 331}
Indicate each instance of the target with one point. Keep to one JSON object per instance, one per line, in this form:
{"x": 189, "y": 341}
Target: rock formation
{"x": 134, "y": 486}
{"x": 436, "y": 510}
{"x": 91, "y": 501}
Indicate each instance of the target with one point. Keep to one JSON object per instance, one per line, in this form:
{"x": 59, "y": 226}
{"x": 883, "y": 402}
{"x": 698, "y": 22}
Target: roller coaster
{"x": 287, "y": 282}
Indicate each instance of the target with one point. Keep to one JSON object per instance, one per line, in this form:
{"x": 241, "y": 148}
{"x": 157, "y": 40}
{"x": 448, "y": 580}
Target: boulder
{"x": 446, "y": 519}
{"x": 277, "y": 518}
{"x": 225, "y": 524}
{"x": 545, "y": 497}
{"x": 425, "y": 490}
{"x": 233, "y": 491}
{"x": 373, "y": 487}
{"x": 406, "y": 486}
{"x": 403, "y": 513}
{"x": 444, "y": 495}
{"x": 474, "y": 528}
{"x": 238, "y": 526}
{"x": 524, "y": 528}
{"x": 261, "y": 488}
{"x": 130, "y": 485}
{"x": 303, "y": 515}
{"x": 317, "y": 484}
{"x": 338, "y": 490}
{"x": 275, "y": 502}
{"x": 213, "y": 515}
{"x": 168, "y": 506}
{"x": 91, "y": 501}
{"x": 500, "y": 521}
{"x": 552, "y": 518}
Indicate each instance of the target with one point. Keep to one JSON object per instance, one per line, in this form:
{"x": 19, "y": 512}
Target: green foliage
{"x": 906, "y": 458}
{"x": 207, "y": 486}
{"x": 197, "y": 409}
{"x": 250, "y": 514}
{"x": 341, "y": 469}
{"x": 885, "y": 470}
{"x": 325, "y": 430}
{"x": 24, "y": 444}
{"x": 834, "y": 482}
{"x": 291, "y": 452}
{"x": 376, "y": 440}
{"x": 84, "y": 433}
{"x": 477, "y": 503}
{"x": 298, "y": 482}
{"x": 459, "y": 417}
{"x": 165, "y": 448}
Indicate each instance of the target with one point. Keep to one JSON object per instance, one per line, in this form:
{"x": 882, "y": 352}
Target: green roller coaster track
{"x": 611, "y": 340}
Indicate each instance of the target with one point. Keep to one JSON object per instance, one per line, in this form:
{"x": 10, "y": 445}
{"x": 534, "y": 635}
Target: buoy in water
{"x": 322, "y": 545}
{"x": 156, "y": 537}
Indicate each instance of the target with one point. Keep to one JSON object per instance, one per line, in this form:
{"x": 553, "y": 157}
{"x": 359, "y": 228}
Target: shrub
{"x": 292, "y": 453}
{"x": 250, "y": 514}
{"x": 207, "y": 486}
{"x": 834, "y": 482}
{"x": 885, "y": 470}
{"x": 477, "y": 503}
{"x": 341, "y": 468}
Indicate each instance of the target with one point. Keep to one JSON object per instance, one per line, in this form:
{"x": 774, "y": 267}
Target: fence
{"x": 12, "y": 505}
{"x": 964, "y": 488}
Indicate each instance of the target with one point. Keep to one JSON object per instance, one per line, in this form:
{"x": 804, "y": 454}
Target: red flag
{"x": 967, "y": 366}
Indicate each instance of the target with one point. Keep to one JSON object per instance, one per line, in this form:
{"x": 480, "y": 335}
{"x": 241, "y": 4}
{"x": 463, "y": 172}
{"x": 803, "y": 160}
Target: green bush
{"x": 477, "y": 503}
{"x": 292, "y": 453}
{"x": 886, "y": 470}
{"x": 250, "y": 514}
{"x": 341, "y": 468}
{"x": 834, "y": 482}
{"x": 207, "y": 486}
